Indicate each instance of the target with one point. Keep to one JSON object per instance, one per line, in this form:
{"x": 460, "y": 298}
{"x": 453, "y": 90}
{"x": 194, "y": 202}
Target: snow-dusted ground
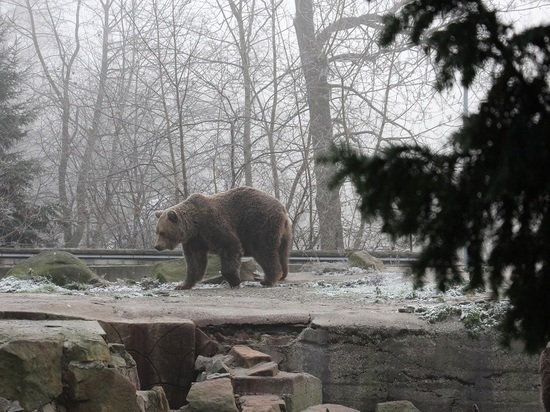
{"x": 341, "y": 283}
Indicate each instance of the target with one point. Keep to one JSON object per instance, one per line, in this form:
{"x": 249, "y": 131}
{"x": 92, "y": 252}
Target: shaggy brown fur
{"x": 240, "y": 222}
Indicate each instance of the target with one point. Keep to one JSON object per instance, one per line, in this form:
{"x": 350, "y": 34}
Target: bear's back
{"x": 254, "y": 214}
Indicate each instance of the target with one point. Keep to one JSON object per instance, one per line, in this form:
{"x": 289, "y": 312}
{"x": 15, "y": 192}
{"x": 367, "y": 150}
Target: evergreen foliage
{"x": 20, "y": 223}
{"x": 491, "y": 191}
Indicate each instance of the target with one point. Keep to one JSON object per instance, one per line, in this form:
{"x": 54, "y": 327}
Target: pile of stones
{"x": 248, "y": 380}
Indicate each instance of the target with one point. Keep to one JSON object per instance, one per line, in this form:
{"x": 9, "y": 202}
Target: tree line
{"x": 137, "y": 104}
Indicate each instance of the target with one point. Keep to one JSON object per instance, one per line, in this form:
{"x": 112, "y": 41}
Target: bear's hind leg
{"x": 284, "y": 254}
{"x": 271, "y": 266}
{"x": 230, "y": 268}
{"x": 196, "y": 261}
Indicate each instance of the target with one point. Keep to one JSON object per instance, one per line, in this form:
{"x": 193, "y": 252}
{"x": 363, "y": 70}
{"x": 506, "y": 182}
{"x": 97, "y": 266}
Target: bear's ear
{"x": 172, "y": 216}
{"x": 158, "y": 213}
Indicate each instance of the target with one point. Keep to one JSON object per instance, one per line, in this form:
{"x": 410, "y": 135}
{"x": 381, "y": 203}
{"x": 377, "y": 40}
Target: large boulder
{"x": 66, "y": 364}
{"x": 58, "y": 266}
{"x": 30, "y": 371}
{"x": 175, "y": 270}
{"x": 365, "y": 260}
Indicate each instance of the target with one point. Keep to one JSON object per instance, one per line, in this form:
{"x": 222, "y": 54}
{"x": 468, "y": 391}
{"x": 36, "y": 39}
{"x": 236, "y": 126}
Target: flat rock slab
{"x": 299, "y": 299}
{"x": 58, "y": 330}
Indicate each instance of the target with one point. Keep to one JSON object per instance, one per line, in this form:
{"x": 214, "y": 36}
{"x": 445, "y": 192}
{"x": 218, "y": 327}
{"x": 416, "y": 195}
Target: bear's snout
{"x": 158, "y": 247}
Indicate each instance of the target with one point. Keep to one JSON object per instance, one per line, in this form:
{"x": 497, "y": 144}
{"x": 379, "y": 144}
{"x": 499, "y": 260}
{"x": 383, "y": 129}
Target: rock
{"x": 175, "y": 270}
{"x": 365, "y": 260}
{"x": 212, "y": 396}
{"x": 261, "y": 403}
{"x": 263, "y": 369}
{"x": 259, "y": 383}
{"x": 396, "y": 406}
{"x": 124, "y": 363}
{"x": 218, "y": 367}
{"x": 153, "y": 400}
{"x": 10, "y": 406}
{"x": 94, "y": 387}
{"x": 330, "y": 407}
{"x": 164, "y": 353}
{"x": 204, "y": 345}
{"x": 217, "y": 376}
{"x": 202, "y": 363}
{"x": 31, "y": 371}
{"x": 62, "y": 364}
{"x": 60, "y": 267}
{"x": 246, "y": 357}
{"x": 544, "y": 369}
{"x": 250, "y": 269}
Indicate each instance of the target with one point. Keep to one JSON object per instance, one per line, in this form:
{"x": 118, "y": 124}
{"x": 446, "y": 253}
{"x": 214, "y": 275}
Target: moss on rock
{"x": 60, "y": 267}
{"x": 175, "y": 270}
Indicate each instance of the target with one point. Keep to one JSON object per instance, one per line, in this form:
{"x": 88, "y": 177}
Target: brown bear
{"x": 240, "y": 222}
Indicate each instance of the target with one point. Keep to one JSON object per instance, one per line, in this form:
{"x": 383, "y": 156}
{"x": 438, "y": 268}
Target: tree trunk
{"x": 83, "y": 181}
{"x": 62, "y": 96}
{"x": 315, "y": 68}
{"x": 247, "y": 83}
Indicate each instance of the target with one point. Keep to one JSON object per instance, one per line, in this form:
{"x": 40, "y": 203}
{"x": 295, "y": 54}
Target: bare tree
{"x": 59, "y": 80}
{"x": 315, "y": 69}
{"x": 163, "y": 99}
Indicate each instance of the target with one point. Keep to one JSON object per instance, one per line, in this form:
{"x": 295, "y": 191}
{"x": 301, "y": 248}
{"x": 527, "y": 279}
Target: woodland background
{"x": 139, "y": 103}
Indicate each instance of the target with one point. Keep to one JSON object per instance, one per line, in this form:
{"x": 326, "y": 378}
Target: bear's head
{"x": 169, "y": 229}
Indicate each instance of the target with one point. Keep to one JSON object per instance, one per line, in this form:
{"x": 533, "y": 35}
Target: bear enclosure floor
{"x": 347, "y": 298}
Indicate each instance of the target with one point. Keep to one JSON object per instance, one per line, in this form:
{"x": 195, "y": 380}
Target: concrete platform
{"x": 347, "y": 330}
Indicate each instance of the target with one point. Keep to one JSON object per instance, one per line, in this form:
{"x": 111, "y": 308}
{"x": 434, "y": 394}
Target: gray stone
{"x": 217, "y": 376}
{"x": 40, "y": 360}
{"x": 153, "y": 400}
{"x": 365, "y": 260}
{"x": 124, "y": 363}
{"x": 300, "y": 390}
{"x": 10, "y": 406}
{"x": 175, "y": 270}
{"x": 59, "y": 267}
{"x": 212, "y": 396}
{"x": 330, "y": 407}
{"x": 94, "y": 387}
{"x": 261, "y": 403}
{"x": 218, "y": 367}
{"x": 544, "y": 368}
{"x": 246, "y": 357}
{"x": 263, "y": 369}
{"x": 396, "y": 406}
{"x": 163, "y": 351}
{"x": 31, "y": 371}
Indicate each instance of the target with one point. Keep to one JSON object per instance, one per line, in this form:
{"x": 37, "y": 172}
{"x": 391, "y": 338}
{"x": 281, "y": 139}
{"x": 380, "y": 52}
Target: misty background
{"x": 140, "y": 103}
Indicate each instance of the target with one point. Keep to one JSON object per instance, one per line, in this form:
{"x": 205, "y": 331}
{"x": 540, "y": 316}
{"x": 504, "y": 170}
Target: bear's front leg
{"x": 196, "y": 259}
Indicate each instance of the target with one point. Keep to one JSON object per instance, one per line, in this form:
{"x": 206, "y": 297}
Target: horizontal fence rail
{"x": 143, "y": 255}
{"x": 113, "y": 264}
